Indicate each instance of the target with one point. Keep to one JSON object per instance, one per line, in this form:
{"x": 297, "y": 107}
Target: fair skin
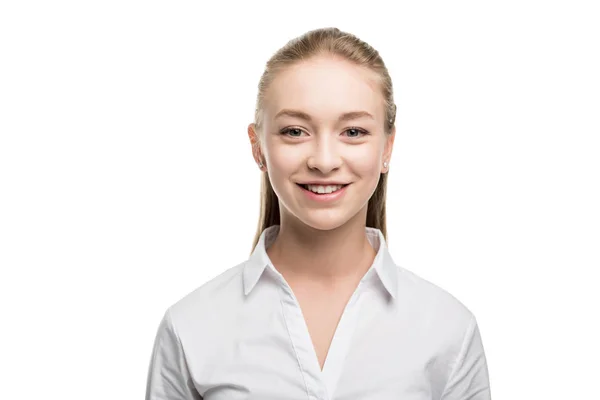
{"x": 322, "y": 248}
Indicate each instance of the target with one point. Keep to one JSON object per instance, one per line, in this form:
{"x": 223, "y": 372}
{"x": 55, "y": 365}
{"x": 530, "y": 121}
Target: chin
{"x": 323, "y": 220}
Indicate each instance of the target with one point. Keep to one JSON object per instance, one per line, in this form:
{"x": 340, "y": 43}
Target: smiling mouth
{"x": 319, "y": 189}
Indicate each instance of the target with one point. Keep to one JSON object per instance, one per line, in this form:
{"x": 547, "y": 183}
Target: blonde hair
{"x": 334, "y": 42}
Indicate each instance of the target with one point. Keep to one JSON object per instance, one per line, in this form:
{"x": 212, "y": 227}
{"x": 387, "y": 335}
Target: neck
{"x": 339, "y": 255}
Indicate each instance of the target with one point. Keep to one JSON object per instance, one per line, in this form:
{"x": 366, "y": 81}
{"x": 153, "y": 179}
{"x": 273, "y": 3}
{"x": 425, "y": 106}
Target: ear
{"x": 255, "y": 144}
{"x": 387, "y": 150}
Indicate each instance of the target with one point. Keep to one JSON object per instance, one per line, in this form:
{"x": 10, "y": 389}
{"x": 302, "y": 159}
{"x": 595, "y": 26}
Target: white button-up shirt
{"x": 242, "y": 335}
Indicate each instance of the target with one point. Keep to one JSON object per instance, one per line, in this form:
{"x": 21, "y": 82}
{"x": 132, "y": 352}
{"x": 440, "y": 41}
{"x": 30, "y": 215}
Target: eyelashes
{"x": 360, "y": 132}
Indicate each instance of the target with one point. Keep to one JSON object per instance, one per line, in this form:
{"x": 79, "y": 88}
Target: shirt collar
{"x": 383, "y": 265}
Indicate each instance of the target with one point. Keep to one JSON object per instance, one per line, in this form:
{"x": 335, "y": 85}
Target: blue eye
{"x": 358, "y": 131}
{"x": 297, "y": 132}
{"x": 286, "y": 131}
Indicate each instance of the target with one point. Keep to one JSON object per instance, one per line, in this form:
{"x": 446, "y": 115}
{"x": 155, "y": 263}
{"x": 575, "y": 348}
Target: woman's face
{"x": 307, "y": 139}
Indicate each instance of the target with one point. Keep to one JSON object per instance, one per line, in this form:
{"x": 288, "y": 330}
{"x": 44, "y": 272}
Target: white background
{"x": 126, "y": 176}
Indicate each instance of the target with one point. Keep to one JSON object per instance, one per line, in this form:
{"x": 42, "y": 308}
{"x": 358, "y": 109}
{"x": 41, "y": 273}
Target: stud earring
{"x": 260, "y": 164}
{"x": 385, "y": 164}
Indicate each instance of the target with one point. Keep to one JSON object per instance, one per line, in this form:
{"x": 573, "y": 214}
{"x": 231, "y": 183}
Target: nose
{"x": 324, "y": 154}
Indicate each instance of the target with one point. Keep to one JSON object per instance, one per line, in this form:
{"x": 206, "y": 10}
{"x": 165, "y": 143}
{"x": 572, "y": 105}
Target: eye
{"x": 292, "y": 132}
{"x": 356, "y": 132}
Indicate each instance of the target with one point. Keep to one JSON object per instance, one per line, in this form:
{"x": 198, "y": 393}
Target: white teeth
{"x": 324, "y": 189}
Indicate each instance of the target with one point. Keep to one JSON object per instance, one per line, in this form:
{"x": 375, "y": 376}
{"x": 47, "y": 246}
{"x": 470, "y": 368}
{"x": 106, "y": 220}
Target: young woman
{"x": 320, "y": 310}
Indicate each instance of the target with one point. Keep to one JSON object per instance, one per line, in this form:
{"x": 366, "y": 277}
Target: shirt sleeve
{"x": 168, "y": 375}
{"x": 469, "y": 379}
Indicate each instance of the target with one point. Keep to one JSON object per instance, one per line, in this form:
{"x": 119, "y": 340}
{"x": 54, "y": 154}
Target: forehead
{"x": 325, "y": 88}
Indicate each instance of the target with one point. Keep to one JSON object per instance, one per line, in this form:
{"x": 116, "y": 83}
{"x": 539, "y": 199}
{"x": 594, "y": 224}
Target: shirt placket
{"x": 315, "y": 380}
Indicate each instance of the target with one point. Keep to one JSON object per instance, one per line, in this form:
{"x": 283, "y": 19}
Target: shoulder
{"x": 208, "y": 302}
{"x": 439, "y": 314}
{"x": 194, "y": 326}
{"x": 445, "y": 326}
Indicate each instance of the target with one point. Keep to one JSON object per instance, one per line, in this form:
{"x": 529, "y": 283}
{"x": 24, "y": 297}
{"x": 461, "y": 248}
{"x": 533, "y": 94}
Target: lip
{"x": 323, "y": 198}
{"x": 322, "y": 183}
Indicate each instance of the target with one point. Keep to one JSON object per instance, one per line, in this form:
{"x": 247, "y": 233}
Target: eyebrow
{"x": 344, "y": 117}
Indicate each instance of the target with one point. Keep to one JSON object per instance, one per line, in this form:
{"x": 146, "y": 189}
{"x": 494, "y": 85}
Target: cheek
{"x": 280, "y": 156}
{"x": 282, "y": 162}
{"x": 365, "y": 161}
{"x": 362, "y": 160}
